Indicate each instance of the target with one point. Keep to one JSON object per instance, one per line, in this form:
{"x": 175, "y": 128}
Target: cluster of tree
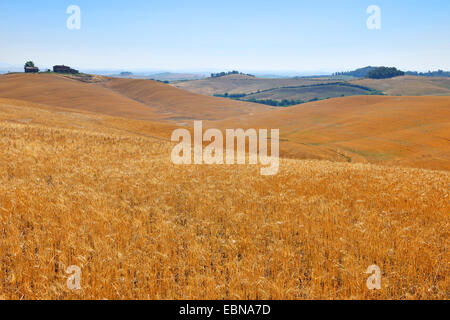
{"x": 29, "y": 64}
{"x": 384, "y": 73}
{"x": 358, "y": 73}
{"x": 439, "y": 73}
{"x": 223, "y": 74}
{"x": 29, "y": 67}
{"x": 279, "y": 103}
{"x": 231, "y": 95}
{"x": 162, "y": 81}
{"x": 372, "y": 72}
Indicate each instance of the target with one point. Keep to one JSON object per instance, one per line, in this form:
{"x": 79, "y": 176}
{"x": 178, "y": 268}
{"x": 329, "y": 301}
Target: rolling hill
{"x": 278, "y": 89}
{"x": 176, "y": 104}
{"x": 409, "y": 86}
{"x": 405, "y": 131}
{"x": 131, "y": 98}
{"x": 310, "y": 92}
{"x": 64, "y": 91}
{"x": 238, "y": 83}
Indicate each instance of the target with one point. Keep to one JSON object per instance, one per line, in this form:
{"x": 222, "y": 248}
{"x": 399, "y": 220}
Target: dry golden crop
{"x": 96, "y": 192}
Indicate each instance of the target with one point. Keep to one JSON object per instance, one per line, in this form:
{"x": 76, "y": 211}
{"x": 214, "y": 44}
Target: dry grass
{"x": 176, "y": 104}
{"x": 130, "y": 98}
{"x": 409, "y": 85}
{"x": 76, "y": 191}
{"x": 400, "y": 131}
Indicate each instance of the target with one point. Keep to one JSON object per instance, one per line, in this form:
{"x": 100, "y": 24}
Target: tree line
{"x": 223, "y": 74}
{"x": 384, "y": 73}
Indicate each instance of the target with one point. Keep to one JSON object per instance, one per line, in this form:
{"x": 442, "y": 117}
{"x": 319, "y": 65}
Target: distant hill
{"x": 240, "y": 84}
{"x": 405, "y": 131}
{"x": 163, "y": 76}
{"x": 7, "y": 67}
{"x": 439, "y": 73}
{"x": 169, "y": 76}
{"x": 129, "y": 98}
{"x": 287, "y": 96}
{"x": 408, "y": 85}
{"x": 286, "y": 92}
{"x": 365, "y": 73}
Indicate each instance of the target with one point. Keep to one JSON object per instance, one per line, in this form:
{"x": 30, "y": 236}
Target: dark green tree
{"x": 29, "y": 64}
{"x": 384, "y": 73}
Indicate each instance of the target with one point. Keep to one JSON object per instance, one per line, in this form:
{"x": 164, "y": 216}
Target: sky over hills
{"x": 283, "y": 35}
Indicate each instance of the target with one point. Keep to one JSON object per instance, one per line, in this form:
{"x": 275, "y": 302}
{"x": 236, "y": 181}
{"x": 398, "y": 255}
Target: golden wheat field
{"x": 101, "y": 193}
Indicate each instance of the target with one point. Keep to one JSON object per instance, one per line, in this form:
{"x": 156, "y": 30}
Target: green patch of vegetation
{"x": 358, "y": 73}
{"x": 384, "y": 73}
{"x": 161, "y": 81}
{"x": 276, "y": 103}
{"x": 231, "y": 96}
{"x": 223, "y": 74}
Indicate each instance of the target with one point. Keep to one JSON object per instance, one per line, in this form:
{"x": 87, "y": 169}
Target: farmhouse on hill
{"x": 64, "y": 69}
{"x": 31, "y": 69}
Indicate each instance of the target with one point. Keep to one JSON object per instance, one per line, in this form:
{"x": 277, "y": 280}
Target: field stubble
{"x": 139, "y": 227}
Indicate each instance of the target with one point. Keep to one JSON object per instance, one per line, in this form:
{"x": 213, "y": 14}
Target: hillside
{"x": 243, "y": 84}
{"x": 175, "y": 104}
{"x": 409, "y": 86}
{"x": 237, "y": 84}
{"x": 65, "y": 91}
{"x": 406, "y": 131}
{"x": 131, "y": 98}
{"x": 74, "y": 191}
{"x": 309, "y": 92}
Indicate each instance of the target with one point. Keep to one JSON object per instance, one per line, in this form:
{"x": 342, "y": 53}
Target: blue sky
{"x": 247, "y": 35}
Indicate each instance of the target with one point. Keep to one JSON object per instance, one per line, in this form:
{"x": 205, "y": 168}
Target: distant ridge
{"x": 365, "y": 72}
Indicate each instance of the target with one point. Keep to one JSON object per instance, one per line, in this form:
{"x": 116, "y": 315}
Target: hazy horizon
{"x": 205, "y": 71}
